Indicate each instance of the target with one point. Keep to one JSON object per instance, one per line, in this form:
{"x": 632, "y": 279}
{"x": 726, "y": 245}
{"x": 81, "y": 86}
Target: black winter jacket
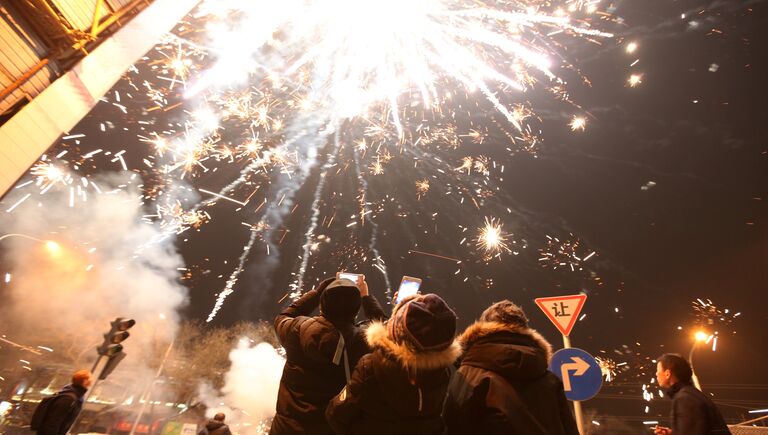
{"x": 215, "y": 427}
{"x": 503, "y": 385}
{"x": 61, "y": 413}
{"x": 310, "y": 377}
{"x": 393, "y": 390}
{"x": 693, "y": 413}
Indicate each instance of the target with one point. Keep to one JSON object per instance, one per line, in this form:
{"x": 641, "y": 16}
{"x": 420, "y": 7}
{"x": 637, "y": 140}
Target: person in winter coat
{"x": 65, "y": 407}
{"x": 400, "y": 387}
{"x": 693, "y": 413}
{"x": 216, "y": 426}
{"x": 321, "y": 352}
{"x": 503, "y": 385}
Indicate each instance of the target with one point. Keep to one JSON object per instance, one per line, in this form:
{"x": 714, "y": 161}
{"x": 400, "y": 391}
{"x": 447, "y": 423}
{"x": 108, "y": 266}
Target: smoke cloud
{"x": 250, "y": 388}
{"x": 109, "y": 263}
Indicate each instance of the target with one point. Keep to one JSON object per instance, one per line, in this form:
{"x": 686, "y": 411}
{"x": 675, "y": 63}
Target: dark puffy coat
{"x": 310, "y": 377}
{"x": 215, "y": 427}
{"x": 504, "y": 387}
{"x": 63, "y": 411}
{"x": 693, "y": 413}
{"x": 394, "y": 390}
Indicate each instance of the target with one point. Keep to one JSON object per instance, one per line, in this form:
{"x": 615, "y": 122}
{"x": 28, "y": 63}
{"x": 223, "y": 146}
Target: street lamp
{"x": 698, "y": 337}
{"x": 52, "y": 246}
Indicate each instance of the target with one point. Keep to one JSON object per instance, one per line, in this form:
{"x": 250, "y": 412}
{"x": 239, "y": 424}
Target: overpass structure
{"x": 58, "y": 57}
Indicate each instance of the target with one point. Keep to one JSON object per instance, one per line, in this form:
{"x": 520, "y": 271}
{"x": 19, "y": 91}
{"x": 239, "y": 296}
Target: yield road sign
{"x": 563, "y": 311}
{"x": 579, "y": 371}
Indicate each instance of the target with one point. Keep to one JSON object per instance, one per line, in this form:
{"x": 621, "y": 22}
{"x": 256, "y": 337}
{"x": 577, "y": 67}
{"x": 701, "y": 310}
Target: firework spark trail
{"x": 380, "y": 265}
{"x": 230, "y": 286}
{"x": 280, "y": 206}
{"x": 310, "y": 234}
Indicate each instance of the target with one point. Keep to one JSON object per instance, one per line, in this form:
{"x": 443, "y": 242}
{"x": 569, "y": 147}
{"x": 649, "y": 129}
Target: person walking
{"x": 693, "y": 413}
{"x": 400, "y": 387}
{"x": 503, "y": 385}
{"x": 321, "y": 352}
{"x": 61, "y": 410}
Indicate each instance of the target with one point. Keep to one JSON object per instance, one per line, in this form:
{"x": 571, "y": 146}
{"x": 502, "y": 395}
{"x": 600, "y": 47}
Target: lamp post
{"x": 699, "y": 337}
{"x": 51, "y": 245}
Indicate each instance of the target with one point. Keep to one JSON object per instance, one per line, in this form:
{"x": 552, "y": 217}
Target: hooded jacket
{"x": 310, "y": 376}
{"x": 215, "y": 427}
{"x": 394, "y": 390}
{"x": 503, "y": 385}
{"x": 693, "y": 413}
{"x": 63, "y": 411}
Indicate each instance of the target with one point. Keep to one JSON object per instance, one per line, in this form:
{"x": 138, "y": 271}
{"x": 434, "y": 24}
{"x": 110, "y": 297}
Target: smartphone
{"x": 350, "y": 276}
{"x": 409, "y": 286}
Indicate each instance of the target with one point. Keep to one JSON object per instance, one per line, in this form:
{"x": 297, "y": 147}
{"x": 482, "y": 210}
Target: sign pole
{"x": 577, "y": 411}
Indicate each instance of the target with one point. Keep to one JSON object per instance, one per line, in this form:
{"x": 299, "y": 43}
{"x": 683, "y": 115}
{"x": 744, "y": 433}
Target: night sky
{"x": 668, "y": 185}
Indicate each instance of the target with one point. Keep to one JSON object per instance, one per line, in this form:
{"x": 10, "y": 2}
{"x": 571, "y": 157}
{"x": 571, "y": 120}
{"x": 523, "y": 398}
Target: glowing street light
{"x": 698, "y": 337}
{"x": 52, "y": 246}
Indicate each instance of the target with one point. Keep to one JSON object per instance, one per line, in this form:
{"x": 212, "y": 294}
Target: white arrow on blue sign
{"x": 579, "y": 371}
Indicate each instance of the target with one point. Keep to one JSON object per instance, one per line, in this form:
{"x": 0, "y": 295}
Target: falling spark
{"x": 578, "y": 123}
{"x": 635, "y": 80}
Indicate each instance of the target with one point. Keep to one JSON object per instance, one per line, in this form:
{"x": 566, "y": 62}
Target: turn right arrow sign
{"x": 578, "y": 366}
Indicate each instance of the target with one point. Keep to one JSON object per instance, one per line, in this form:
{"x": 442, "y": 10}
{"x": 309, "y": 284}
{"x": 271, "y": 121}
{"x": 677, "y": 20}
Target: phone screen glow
{"x": 407, "y": 288}
{"x": 350, "y": 276}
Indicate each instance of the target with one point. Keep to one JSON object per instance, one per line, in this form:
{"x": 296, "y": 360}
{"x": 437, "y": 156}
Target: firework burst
{"x": 491, "y": 239}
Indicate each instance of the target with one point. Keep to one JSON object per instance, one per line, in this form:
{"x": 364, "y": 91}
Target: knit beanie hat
{"x": 423, "y": 323}
{"x": 505, "y": 312}
{"x": 340, "y": 301}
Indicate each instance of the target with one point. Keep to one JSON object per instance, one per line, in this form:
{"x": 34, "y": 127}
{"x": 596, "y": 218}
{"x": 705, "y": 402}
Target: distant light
{"x": 631, "y": 47}
{"x": 701, "y": 336}
{"x": 52, "y": 247}
{"x": 578, "y": 123}
{"x": 634, "y": 80}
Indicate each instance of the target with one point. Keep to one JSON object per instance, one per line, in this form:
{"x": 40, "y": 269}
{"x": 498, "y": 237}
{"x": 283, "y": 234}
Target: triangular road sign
{"x": 563, "y": 311}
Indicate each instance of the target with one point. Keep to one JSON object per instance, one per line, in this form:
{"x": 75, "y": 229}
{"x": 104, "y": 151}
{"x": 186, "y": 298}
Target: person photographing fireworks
{"x": 321, "y": 351}
{"x": 693, "y": 413}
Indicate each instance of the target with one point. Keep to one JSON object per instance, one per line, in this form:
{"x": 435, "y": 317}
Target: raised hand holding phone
{"x": 362, "y": 285}
{"x": 409, "y": 286}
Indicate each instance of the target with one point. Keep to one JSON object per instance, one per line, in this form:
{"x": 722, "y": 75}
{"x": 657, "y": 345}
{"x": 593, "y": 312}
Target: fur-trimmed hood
{"x": 479, "y": 330}
{"x": 378, "y": 338}
{"x": 513, "y": 351}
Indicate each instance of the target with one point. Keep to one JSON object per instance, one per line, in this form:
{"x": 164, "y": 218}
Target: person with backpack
{"x": 503, "y": 385}
{"x": 321, "y": 351}
{"x": 55, "y": 414}
{"x": 400, "y": 387}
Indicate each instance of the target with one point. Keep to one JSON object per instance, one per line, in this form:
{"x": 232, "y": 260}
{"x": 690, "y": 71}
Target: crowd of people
{"x": 411, "y": 373}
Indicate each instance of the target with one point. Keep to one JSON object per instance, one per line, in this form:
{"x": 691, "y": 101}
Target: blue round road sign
{"x": 579, "y": 371}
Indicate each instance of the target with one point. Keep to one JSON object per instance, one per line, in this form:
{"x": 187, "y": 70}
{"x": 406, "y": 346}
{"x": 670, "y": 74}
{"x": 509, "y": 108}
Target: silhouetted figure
{"x": 400, "y": 387}
{"x": 503, "y": 385}
{"x": 693, "y": 413}
{"x": 55, "y": 415}
{"x": 216, "y": 426}
{"x": 321, "y": 352}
